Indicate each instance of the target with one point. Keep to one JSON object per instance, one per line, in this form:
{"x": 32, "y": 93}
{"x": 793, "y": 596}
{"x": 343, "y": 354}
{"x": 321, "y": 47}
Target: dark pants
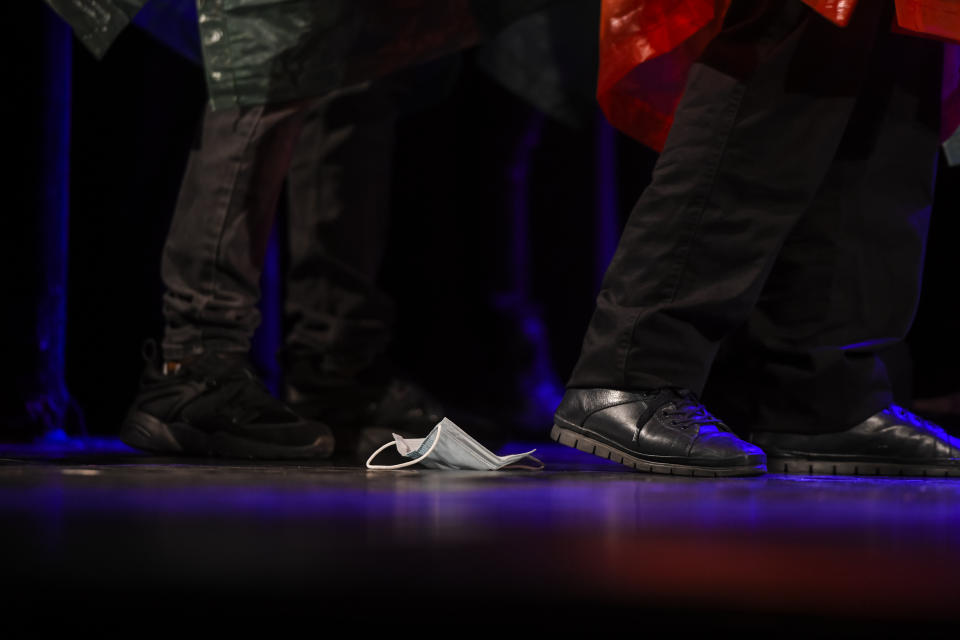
{"x": 787, "y": 214}
{"x": 336, "y": 154}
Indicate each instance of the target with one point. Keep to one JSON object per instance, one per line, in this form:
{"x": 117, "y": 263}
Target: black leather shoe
{"x": 893, "y": 442}
{"x": 365, "y": 410}
{"x": 365, "y": 416}
{"x": 214, "y": 404}
{"x": 658, "y": 431}
{"x": 397, "y": 404}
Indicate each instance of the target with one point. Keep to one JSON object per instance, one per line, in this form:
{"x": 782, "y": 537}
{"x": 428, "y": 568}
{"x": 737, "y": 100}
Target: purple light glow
{"x": 538, "y": 384}
{"x": 454, "y": 505}
{"x": 50, "y": 404}
{"x": 269, "y": 336}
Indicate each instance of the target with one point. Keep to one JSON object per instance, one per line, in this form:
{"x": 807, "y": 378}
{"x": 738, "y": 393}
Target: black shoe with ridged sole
{"x": 893, "y": 442}
{"x": 657, "y": 431}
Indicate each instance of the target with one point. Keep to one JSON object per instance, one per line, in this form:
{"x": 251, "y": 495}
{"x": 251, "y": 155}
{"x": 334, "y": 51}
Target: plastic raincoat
{"x": 257, "y": 51}
{"x": 648, "y": 46}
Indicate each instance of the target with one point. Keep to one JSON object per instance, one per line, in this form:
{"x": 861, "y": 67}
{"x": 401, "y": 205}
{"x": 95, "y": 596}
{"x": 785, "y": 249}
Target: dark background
{"x": 449, "y": 262}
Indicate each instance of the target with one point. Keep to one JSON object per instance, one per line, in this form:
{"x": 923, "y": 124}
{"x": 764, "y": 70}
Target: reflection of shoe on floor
{"x": 213, "y": 404}
{"x": 657, "y": 431}
{"x": 892, "y": 442}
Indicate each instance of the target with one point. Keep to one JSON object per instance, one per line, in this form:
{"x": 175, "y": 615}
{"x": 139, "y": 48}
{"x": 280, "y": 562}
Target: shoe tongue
{"x": 706, "y": 429}
{"x": 662, "y": 395}
{"x": 679, "y": 398}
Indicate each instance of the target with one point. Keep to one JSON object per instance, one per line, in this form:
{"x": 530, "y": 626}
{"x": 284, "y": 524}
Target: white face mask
{"x": 448, "y": 446}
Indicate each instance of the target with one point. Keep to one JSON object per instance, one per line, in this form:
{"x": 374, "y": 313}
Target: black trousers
{"x": 786, "y": 219}
{"x": 336, "y": 156}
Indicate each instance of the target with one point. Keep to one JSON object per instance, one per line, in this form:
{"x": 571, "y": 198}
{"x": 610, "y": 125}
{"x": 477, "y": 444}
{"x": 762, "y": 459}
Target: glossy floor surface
{"x": 584, "y": 540}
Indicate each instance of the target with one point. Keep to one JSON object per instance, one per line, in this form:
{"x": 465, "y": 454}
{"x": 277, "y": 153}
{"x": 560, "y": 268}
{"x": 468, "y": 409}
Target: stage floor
{"x": 583, "y": 542}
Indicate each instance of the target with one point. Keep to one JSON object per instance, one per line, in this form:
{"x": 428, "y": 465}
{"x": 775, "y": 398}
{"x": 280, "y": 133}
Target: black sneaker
{"x": 657, "y": 431}
{"x": 213, "y": 404}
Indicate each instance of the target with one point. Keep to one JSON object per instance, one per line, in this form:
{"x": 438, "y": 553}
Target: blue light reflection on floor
{"x": 576, "y": 492}
{"x": 57, "y": 443}
{"x": 584, "y": 530}
{"x": 620, "y": 508}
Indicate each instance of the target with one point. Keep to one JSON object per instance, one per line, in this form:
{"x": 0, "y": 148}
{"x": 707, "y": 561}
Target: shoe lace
{"x": 685, "y": 411}
{"x": 911, "y": 418}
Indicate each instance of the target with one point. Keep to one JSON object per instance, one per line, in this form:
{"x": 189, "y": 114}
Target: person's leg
{"x": 339, "y": 188}
{"x": 824, "y": 398}
{"x": 205, "y": 399}
{"x": 762, "y": 116}
{"x": 846, "y": 283}
{"x": 760, "y": 121}
{"x": 339, "y": 321}
{"x": 217, "y": 240}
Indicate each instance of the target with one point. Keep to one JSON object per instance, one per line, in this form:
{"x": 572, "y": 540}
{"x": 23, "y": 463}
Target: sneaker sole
{"x": 589, "y": 445}
{"x": 143, "y": 431}
{"x": 808, "y": 466}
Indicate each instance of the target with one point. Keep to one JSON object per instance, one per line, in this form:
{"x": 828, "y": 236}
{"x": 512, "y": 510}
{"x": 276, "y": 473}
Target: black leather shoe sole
{"x": 822, "y": 467}
{"x": 588, "y": 444}
{"x": 143, "y": 431}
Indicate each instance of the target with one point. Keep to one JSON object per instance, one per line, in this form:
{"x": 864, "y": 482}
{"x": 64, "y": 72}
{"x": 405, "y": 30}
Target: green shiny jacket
{"x": 257, "y": 51}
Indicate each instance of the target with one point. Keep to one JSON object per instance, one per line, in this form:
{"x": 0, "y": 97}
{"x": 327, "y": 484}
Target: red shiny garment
{"x": 838, "y": 11}
{"x": 936, "y": 18}
{"x": 647, "y": 47}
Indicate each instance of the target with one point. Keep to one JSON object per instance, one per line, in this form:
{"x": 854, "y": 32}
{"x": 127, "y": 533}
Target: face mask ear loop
{"x": 402, "y": 464}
